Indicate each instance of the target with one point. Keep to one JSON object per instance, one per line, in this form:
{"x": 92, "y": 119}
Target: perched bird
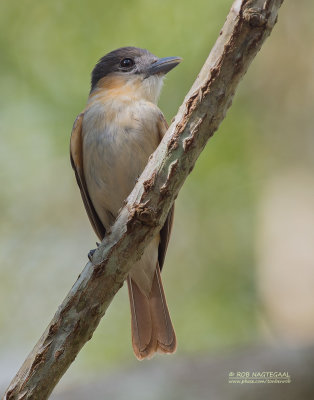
{"x": 111, "y": 142}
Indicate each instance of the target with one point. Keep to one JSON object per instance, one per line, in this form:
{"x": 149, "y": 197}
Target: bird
{"x": 111, "y": 142}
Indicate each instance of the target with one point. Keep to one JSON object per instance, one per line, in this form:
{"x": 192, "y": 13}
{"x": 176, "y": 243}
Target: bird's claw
{"x": 90, "y": 254}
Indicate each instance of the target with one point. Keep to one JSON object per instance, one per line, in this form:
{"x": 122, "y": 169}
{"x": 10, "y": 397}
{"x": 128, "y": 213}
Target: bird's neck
{"x": 127, "y": 89}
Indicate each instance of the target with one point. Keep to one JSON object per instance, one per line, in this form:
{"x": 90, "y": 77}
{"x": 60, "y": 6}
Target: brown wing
{"x": 76, "y": 153}
{"x": 166, "y": 229}
{"x": 164, "y": 237}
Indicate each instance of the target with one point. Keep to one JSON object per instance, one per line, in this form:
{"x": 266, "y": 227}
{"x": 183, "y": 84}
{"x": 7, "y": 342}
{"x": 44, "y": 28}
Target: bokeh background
{"x": 239, "y": 272}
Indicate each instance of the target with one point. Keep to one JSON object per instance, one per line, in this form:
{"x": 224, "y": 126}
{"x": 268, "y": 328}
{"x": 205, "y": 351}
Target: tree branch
{"x": 248, "y": 24}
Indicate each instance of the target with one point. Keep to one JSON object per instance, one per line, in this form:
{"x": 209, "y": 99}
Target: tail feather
{"x": 141, "y": 323}
{"x": 160, "y": 316}
{"x": 151, "y": 325}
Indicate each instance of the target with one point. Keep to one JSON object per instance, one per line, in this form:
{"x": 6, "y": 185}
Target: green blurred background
{"x": 239, "y": 268}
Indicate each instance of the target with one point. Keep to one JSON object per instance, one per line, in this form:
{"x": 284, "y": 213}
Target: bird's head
{"x": 132, "y": 70}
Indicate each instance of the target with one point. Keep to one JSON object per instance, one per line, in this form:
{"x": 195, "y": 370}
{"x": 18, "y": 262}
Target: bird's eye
{"x": 127, "y": 63}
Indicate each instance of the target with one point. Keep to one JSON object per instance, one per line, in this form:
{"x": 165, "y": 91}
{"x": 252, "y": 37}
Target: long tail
{"x": 152, "y": 329}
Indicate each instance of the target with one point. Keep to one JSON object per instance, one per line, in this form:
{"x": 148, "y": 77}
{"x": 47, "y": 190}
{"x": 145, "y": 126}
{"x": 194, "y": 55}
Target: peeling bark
{"x": 248, "y": 24}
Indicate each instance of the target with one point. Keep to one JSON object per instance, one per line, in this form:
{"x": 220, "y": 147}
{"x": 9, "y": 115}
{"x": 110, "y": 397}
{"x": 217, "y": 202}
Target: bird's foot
{"x": 91, "y": 252}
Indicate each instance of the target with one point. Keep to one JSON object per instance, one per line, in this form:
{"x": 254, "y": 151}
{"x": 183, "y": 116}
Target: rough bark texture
{"x": 247, "y": 26}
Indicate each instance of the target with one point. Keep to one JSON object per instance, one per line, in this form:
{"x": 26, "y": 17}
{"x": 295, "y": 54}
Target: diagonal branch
{"x": 248, "y": 24}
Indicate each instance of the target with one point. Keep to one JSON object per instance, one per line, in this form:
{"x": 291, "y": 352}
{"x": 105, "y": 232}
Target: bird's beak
{"x": 163, "y": 65}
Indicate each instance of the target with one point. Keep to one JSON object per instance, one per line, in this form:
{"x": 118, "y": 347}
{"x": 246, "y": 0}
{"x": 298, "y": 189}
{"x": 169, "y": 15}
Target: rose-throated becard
{"x": 111, "y": 142}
